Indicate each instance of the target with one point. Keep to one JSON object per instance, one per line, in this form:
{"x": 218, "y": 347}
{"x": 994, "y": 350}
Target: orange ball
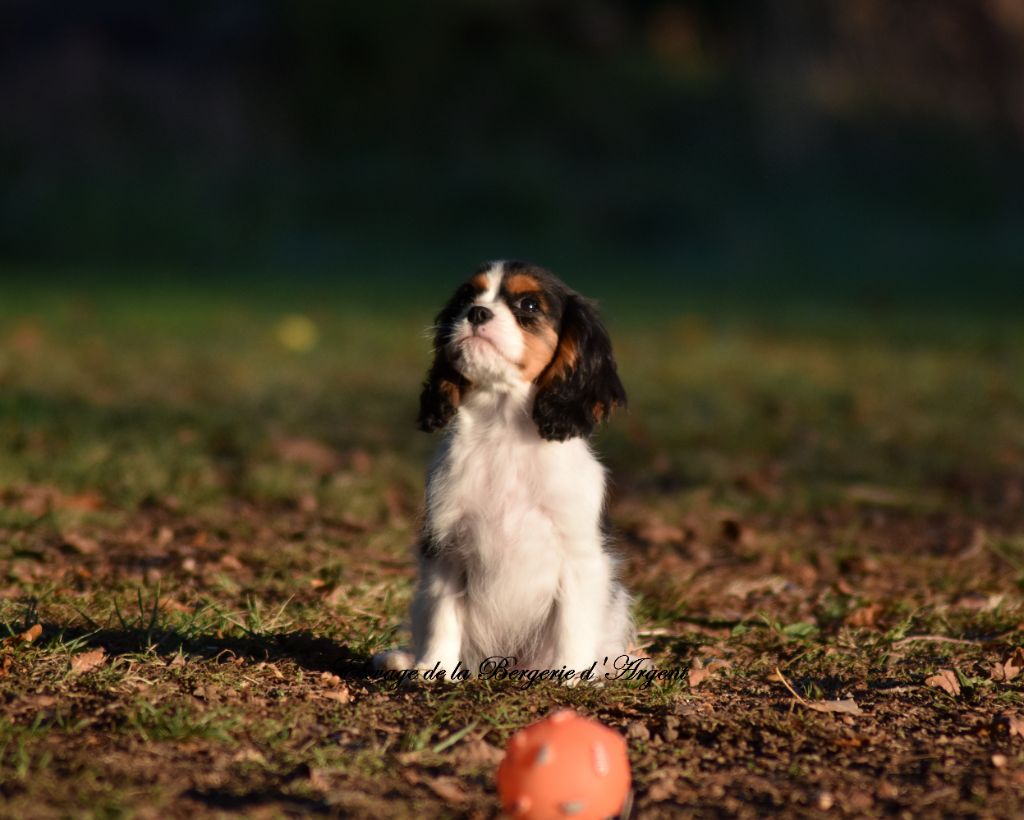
{"x": 564, "y": 766}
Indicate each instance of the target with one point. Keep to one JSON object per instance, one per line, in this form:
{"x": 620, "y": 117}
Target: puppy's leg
{"x": 619, "y": 636}
{"x": 584, "y": 593}
{"x": 394, "y": 660}
{"x": 437, "y": 614}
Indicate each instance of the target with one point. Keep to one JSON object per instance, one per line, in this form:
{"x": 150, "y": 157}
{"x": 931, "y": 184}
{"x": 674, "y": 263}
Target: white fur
{"x": 522, "y": 567}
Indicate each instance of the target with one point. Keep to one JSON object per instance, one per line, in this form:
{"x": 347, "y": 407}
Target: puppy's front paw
{"x": 394, "y": 660}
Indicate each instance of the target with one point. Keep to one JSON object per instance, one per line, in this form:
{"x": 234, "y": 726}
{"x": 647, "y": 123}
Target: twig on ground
{"x": 934, "y": 639}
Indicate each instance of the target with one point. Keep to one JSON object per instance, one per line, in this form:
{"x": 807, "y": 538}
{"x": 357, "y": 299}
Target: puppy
{"x": 512, "y": 559}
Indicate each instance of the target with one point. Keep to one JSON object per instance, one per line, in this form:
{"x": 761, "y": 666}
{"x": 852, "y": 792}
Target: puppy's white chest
{"x": 493, "y": 494}
{"x": 497, "y": 492}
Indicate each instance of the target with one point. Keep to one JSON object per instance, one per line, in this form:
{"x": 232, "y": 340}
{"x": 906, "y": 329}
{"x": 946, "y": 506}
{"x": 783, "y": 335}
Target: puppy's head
{"x": 514, "y": 324}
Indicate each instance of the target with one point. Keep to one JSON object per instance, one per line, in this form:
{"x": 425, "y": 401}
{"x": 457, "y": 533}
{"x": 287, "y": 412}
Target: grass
{"x": 835, "y": 495}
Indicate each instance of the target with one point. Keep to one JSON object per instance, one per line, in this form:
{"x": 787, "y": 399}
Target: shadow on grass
{"x": 309, "y": 651}
{"x": 227, "y": 800}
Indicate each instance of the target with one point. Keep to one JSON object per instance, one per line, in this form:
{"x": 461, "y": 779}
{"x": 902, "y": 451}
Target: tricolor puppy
{"x": 513, "y": 561}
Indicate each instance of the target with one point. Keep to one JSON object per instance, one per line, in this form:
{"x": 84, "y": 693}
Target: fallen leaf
{"x": 341, "y": 695}
{"x": 1010, "y": 668}
{"x": 31, "y": 633}
{"x": 249, "y": 755}
{"x": 659, "y": 533}
{"x": 337, "y": 596}
{"x": 39, "y": 701}
{"x": 87, "y": 661}
{"x": 86, "y": 502}
{"x": 847, "y": 706}
{"x": 698, "y": 673}
{"x": 946, "y": 679}
{"x": 79, "y": 543}
{"x": 864, "y": 617}
{"x": 1015, "y": 725}
{"x": 773, "y": 584}
{"x": 230, "y": 562}
{"x": 979, "y": 602}
{"x": 447, "y": 788}
{"x": 476, "y": 753}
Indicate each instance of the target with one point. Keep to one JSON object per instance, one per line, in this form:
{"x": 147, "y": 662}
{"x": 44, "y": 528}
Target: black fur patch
{"x": 442, "y": 389}
{"x": 439, "y": 397}
{"x": 430, "y": 547}
{"x": 571, "y": 404}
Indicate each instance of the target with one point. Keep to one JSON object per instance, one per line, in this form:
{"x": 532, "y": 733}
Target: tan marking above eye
{"x": 479, "y": 282}
{"x": 520, "y": 283}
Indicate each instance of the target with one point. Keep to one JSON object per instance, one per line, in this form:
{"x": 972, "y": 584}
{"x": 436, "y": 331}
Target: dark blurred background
{"x": 865, "y": 150}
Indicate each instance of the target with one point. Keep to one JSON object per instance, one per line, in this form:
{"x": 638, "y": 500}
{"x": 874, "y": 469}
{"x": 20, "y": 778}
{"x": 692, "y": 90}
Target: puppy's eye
{"x": 530, "y": 304}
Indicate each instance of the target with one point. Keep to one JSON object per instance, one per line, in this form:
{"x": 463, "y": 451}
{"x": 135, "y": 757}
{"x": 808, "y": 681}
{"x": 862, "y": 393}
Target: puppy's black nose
{"x": 478, "y": 315}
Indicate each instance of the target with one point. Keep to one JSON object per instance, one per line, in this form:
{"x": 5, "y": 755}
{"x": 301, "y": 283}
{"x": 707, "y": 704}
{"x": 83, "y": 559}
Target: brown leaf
{"x": 86, "y": 502}
{"x": 698, "y": 673}
{"x": 864, "y": 617}
{"x": 337, "y": 596}
{"x": 659, "y": 533}
{"x": 477, "y": 753}
{"x": 946, "y": 679}
{"x": 341, "y": 695}
{"x": 772, "y": 584}
{"x": 31, "y": 633}
{"x": 1010, "y": 668}
{"x": 1015, "y": 724}
{"x": 230, "y": 562}
{"x": 39, "y": 701}
{"x": 847, "y": 706}
{"x": 79, "y": 543}
{"x": 447, "y": 788}
{"x": 80, "y": 664}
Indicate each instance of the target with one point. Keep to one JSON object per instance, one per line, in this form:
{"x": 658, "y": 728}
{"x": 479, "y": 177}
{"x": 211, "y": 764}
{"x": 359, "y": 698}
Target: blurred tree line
{"x": 697, "y": 134}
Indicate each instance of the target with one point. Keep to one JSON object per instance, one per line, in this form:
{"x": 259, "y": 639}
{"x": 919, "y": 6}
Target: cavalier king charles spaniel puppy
{"x": 513, "y": 560}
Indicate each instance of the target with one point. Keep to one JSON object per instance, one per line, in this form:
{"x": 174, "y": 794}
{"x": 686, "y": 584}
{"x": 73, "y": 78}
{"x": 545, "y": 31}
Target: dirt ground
{"x": 203, "y": 543}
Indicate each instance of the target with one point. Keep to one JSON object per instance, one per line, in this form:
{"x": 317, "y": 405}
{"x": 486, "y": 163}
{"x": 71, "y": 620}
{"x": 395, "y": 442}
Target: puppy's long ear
{"x": 442, "y": 392}
{"x": 581, "y": 385}
{"x": 442, "y": 389}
